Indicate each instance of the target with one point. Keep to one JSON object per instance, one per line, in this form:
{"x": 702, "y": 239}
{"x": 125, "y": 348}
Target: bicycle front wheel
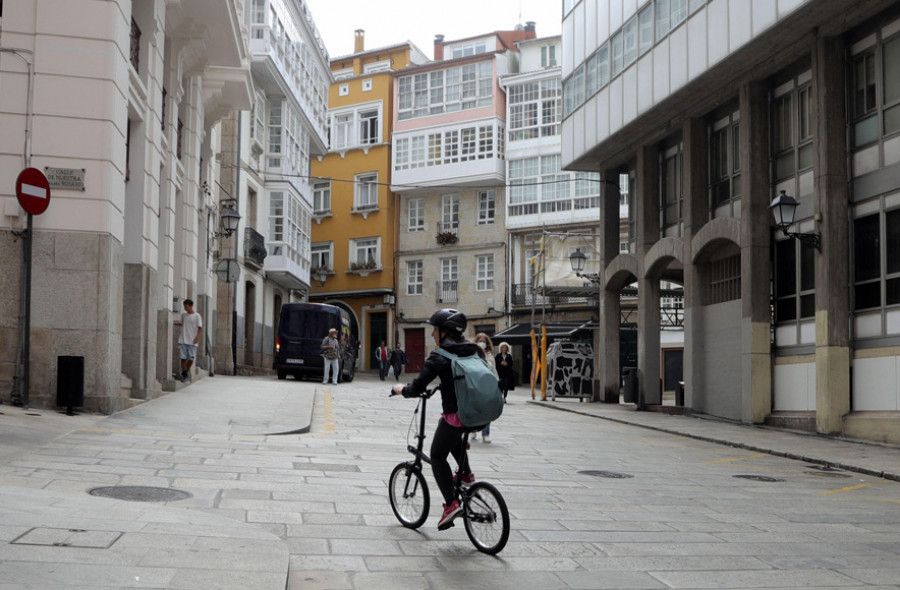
{"x": 486, "y": 518}
{"x": 409, "y": 496}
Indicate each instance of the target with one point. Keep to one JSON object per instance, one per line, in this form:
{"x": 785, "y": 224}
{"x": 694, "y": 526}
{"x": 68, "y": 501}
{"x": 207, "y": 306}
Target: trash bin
{"x": 629, "y": 385}
{"x": 70, "y": 382}
{"x": 679, "y": 394}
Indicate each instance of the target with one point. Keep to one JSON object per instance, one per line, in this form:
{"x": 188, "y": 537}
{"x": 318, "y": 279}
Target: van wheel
{"x": 281, "y": 374}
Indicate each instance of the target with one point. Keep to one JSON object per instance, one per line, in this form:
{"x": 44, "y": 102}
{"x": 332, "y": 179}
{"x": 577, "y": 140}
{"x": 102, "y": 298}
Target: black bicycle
{"x": 484, "y": 513}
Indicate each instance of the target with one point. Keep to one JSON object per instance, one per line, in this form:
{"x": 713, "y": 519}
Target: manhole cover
{"x": 608, "y": 474}
{"x": 758, "y": 478}
{"x": 140, "y": 493}
{"x": 828, "y": 473}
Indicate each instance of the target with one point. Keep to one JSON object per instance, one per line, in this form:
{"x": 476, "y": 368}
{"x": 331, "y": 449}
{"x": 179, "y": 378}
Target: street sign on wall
{"x": 33, "y": 191}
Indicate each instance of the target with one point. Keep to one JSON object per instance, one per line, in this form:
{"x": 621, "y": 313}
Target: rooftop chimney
{"x": 438, "y": 47}
{"x": 530, "y": 31}
{"x": 359, "y": 42}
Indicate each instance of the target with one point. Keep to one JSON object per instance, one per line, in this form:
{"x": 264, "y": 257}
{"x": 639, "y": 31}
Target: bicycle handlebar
{"x": 425, "y": 394}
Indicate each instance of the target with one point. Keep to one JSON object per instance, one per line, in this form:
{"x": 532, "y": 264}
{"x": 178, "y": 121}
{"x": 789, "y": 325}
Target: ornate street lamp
{"x": 577, "y": 259}
{"x": 783, "y": 208}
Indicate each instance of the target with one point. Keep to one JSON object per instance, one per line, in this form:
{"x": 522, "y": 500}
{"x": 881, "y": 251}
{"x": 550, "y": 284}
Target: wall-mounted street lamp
{"x": 320, "y": 275}
{"x": 783, "y": 208}
{"x": 577, "y": 260}
{"x": 230, "y": 219}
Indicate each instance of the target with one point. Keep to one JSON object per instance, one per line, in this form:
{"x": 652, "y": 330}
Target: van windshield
{"x": 306, "y": 323}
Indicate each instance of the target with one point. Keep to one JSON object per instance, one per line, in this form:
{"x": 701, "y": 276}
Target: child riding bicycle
{"x": 449, "y": 325}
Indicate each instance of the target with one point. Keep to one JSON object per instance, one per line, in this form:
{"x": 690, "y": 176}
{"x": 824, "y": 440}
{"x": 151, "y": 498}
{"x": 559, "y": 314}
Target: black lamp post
{"x": 577, "y": 259}
{"x": 783, "y": 208}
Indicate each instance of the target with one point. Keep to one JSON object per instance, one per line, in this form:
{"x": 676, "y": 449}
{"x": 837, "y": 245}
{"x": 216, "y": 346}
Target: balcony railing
{"x": 447, "y": 291}
{"x": 254, "y": 247}
{"x": 135, "y": 46}
{"x": 522, "y": 294}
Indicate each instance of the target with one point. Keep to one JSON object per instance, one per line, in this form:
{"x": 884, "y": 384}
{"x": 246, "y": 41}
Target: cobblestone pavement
{"x": 310, "y": 510}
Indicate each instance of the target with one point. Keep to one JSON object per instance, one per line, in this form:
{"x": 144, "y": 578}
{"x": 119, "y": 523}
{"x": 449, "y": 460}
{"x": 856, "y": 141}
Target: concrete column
{"x": 696, "y": 214}
{"x": 647, "y": 219}
{"x": 606, "y": 347}
{"x": 756, "y": 356}
{"x": 832, "y": 212}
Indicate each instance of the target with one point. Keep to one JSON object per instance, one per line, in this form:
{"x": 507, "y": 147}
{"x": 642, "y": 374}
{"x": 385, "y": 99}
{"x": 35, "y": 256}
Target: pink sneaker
{"x": 450, "y": 513}
{"x": 466, "y": 479}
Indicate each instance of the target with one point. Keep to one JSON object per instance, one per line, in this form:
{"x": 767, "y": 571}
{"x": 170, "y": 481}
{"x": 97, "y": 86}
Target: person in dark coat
{"x": 398, "y": 359}
{"x": 504, "y": 364}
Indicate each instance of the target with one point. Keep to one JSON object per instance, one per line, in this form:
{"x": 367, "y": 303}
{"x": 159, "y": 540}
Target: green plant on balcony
{"x": 447, "y": 237}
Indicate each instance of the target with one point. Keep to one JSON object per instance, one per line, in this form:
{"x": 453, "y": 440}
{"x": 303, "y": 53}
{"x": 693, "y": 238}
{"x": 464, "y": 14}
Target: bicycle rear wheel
{"x": 486, "y": 518}
{"x": 409, "y": 496}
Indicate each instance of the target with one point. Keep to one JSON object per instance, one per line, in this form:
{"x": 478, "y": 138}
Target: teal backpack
{"x": 478, "y": 396}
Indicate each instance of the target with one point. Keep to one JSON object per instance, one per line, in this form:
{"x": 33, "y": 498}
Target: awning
{"x": 520, "y": 334}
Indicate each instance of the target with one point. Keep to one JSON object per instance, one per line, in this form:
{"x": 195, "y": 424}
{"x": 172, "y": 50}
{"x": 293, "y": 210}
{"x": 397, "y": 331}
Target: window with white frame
{"x": 365, "y": 253}
{"x": 368, "y": 127}
{"x": 367, "y": 85}
{"x": 449, "y": 280}
{"x": 484, "y": 273}
{"x": 486, "y": 207}
{"x": 366, "y": 193}
{"x": 539, "y": 184}
{"x": 355, "y": 127}
{"x": 377, "y": 66}
{"x": 534, "y": 109}
{"x": 258, "y": 119}
{"x": 322, "y": 198}
{"x": 444, "y": 91}
{"x": 455, "y": 145}
{"x": 468, "y": 49}
{"x": 275, "y": 133}
{"x": 414, "y": 277}
{"x": 322, "y": 256}
{"x": 548, "y": 56}
{"x": 416, "y": 214}
{"x": 792, "y": 127}
{"x": 289, "y": 227}
{"x": 450, "y": 212}
{"x": 344, "y": 89}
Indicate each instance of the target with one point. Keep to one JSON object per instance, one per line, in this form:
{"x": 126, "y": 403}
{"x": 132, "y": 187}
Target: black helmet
{"x": 451, "y": 319}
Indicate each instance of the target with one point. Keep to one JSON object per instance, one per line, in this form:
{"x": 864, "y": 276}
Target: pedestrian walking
{"x": 191, "y": 327}
{"x": 331, "y": 350}
{"x": 484, "y": 343}
{"x": 504, "y": 364}
{"x": 398, "y": 359}
{"x": 381, "y": 355}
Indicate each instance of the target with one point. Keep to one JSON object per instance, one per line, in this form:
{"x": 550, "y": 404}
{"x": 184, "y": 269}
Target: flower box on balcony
{"x": 446, "y": 237}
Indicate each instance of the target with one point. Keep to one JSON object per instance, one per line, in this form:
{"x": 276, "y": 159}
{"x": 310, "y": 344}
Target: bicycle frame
{"x": 418, "y": 452}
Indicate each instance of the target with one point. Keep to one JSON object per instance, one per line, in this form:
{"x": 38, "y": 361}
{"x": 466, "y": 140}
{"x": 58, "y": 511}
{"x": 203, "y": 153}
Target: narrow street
{"x": 683, "y": 513}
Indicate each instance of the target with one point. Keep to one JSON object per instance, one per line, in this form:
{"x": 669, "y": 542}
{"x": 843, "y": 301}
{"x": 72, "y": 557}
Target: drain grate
{"x": 607, "y": 474}
{"x": 758, "y": 478}
{"x": 140, "y": 493}
{"x": 825, "y": 473}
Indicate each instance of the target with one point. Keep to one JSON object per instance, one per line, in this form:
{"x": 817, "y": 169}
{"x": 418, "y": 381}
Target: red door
{"x": 415, "y": 349}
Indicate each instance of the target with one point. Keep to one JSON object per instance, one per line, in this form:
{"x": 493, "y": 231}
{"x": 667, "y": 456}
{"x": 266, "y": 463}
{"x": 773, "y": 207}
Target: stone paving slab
{"x": 65, "y": 541}
{"x": 875, "y": 459}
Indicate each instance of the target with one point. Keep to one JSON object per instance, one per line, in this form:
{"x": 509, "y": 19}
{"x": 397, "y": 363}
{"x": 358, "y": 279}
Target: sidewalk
{"x": 878, "y": 460}
{"x": 70, "y": 539}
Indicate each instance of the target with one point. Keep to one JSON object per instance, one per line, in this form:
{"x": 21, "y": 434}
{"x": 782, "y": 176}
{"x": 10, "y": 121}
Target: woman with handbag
{"x": 504, "y": 364}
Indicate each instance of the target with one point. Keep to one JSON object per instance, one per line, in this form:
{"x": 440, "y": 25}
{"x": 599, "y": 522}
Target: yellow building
{"x": 354, "y": 234}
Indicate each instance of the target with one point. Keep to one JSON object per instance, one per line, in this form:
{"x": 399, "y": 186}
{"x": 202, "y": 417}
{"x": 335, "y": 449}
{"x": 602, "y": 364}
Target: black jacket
{"x": 439, "y": 366}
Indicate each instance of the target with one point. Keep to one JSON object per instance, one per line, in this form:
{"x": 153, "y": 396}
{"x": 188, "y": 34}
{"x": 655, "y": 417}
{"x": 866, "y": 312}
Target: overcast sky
{"x": 387, "y": 22}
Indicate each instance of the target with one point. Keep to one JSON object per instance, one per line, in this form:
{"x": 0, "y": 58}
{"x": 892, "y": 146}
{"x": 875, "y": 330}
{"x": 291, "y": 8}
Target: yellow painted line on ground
{"x": 329, "y": 413}
{"x": 738, "y": 458}
{"x": 848, "y": 489}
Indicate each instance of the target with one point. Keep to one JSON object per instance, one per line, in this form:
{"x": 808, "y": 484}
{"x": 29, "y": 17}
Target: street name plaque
{"x": 65, "y": 178}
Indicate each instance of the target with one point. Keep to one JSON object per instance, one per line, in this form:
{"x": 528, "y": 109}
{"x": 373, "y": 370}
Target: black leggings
{"x": 447, "y": 440}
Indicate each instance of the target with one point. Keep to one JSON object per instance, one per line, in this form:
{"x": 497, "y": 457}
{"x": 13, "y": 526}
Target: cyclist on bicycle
{"x": 449, "y": 325}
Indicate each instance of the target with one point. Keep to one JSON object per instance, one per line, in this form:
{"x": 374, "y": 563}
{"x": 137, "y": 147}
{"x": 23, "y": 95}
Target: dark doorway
{"x": 377, "y": 332}
{"x": 415, "y": 348}
{"x": 249, "y": 323}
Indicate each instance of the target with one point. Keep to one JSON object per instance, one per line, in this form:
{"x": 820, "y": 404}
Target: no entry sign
{"x": 33, "y": 191}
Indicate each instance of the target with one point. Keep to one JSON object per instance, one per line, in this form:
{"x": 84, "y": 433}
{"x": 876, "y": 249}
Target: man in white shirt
{"x": 191, "y": 326}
